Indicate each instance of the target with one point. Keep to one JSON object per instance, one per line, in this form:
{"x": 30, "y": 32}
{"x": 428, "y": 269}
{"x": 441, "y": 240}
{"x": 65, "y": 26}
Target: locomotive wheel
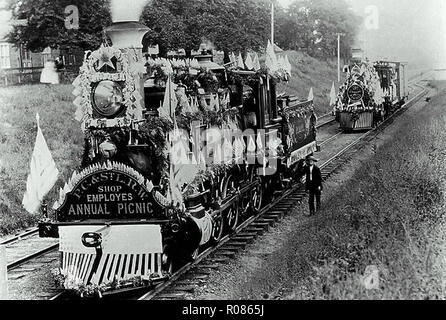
{"x": 227, "y": 185}
{"x": 231, "y": 217}
{"x": 217, "y": 230}
{"x": 257, "y": 197}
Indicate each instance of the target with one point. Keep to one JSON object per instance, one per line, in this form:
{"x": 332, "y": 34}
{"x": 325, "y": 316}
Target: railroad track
{"x": 25, "y": 247}
{"x": 28, "y": 256}
{"x": 192, "y": 274}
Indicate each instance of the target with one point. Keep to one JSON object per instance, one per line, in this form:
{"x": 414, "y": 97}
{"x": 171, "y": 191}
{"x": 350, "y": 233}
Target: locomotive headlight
{"x": 107, "y": 99}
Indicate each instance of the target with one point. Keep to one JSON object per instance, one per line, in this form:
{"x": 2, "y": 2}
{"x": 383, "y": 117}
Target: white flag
{"x": 271, "y": 59}
{"x": 287, "y": 65}
{"x": 43, "y": 173}
{"x": 240, "y": 63}
{"x": 310, "y": 95}
{"x": 332, "y": 95}
{"x": 248, "y": 62}
{"x": 170, "y": 101}
{"x": 256, "y": 62}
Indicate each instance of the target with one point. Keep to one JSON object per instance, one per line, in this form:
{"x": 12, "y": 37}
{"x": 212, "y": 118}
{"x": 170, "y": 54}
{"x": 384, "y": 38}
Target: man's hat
{"x": 311, "y": 158}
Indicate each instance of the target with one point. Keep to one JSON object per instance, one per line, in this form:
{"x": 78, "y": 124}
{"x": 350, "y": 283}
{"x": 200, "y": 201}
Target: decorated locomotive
{"x": 370, "y": 93}
{"x": 177, "y": 153}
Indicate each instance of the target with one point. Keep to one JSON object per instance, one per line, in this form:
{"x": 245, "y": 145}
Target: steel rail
{"x": 18, "y": 237}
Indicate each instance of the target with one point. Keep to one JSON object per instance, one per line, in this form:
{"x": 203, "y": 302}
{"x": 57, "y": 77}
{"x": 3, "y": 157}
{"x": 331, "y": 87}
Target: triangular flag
{"x": 287, "y": 65}
{"x": 202, "y": 160}
{"x": 271, "y": 59}
{"x": 217, "y": 102}
{"x": 256, "y": 62}
{"x": 281, "y": 62}
{"x": 43, "y": 173}
{"x": 217, "y": 154}
{"x": 259, "y": 141}
{"x": 248, "y": 62}
{"x": 240, "y": 63}
{"x": 170, "y": 101}
{"x": 233, "y": 59}
{"x": 332, "y": 95}
{"x": 251, "y": 145}
{"x": 310, "y": 95}
{"x": 227, "y": 151}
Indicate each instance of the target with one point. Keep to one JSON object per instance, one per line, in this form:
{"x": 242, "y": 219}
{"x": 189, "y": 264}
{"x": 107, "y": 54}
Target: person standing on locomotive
{"x": 313, "y": 183}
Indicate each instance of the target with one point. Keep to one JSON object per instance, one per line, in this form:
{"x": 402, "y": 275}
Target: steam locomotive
{"x": 177, "y": 153}
{"x": 370, "y": 93}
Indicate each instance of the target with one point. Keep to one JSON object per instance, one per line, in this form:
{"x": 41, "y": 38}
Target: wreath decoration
{"x": 107, "y": 64}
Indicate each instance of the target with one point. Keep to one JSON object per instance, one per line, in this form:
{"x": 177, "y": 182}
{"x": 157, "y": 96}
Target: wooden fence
{"x": 17, "y": 76}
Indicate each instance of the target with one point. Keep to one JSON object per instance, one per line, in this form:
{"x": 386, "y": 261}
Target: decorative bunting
{"x": 240, "y": 63}
{"x": 248, "y": 62}
{"x": 256, "y": 62}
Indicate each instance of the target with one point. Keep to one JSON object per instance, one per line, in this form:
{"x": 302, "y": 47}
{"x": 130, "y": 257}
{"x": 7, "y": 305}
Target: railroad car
{"x": 177, "y": 153}
{"x": 370, "y": 93}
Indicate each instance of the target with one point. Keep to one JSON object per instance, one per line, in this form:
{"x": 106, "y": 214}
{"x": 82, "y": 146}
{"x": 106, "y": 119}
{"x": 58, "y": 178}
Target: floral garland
{"x": 155, "y": 130}
{"x": 89, "y": 74}
{"x": 210, "y": 117}
{"x": 237, "y": 77}
{"x": 68, "y": 282}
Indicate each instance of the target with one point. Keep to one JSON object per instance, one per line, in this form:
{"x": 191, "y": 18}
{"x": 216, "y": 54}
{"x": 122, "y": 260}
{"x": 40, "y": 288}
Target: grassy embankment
{"x": 390, "y": 214}
{"x": 310, "y": 72}
{"x": 18, "y": 107}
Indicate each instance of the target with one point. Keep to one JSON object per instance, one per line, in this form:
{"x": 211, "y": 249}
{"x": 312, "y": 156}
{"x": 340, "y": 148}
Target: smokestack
{"x": 127, "y": 33}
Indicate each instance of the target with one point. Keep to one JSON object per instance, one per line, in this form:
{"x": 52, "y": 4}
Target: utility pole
{"x": 339, "y": 55}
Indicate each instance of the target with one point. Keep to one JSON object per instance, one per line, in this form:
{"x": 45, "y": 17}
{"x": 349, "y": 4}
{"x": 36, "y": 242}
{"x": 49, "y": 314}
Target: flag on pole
{"x": 167, "y": 110}
{"x": 43, "y": 173}
{"x": 248, "y": 62}
{"x": 271, "y": 59}
{"x": 332, "y": 95}
{"x": 310, "y": 95}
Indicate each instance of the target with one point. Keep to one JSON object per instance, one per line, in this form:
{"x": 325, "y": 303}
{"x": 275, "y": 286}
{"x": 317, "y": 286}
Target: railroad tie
{"x": 224, "y": 253}
{"x": 239, "y": 244}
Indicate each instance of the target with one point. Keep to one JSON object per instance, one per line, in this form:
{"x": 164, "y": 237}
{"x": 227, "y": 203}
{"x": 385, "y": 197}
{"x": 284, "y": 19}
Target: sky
{"x": 407, "y": 30}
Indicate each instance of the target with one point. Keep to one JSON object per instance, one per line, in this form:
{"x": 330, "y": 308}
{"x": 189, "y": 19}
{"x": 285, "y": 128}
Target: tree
{"x": 314, "y": 24}
{"x": 46, "y": 24}
{"x": 230, "y": 25}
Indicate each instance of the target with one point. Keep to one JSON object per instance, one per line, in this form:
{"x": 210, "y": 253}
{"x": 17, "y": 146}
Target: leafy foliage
{"x": 314, "y": 24}
{"x": 230, "y": 25}
{"x": 46, "y": 24}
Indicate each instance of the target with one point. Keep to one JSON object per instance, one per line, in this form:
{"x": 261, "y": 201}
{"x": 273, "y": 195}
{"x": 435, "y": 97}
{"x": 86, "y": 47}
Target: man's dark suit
{"x": 313, "y": 184}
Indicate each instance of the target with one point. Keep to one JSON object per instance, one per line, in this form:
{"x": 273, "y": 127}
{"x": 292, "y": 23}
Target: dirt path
{"x": 252, "y": 267}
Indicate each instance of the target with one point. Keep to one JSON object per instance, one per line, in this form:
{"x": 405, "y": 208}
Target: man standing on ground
{"x": 313, "y": 184}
